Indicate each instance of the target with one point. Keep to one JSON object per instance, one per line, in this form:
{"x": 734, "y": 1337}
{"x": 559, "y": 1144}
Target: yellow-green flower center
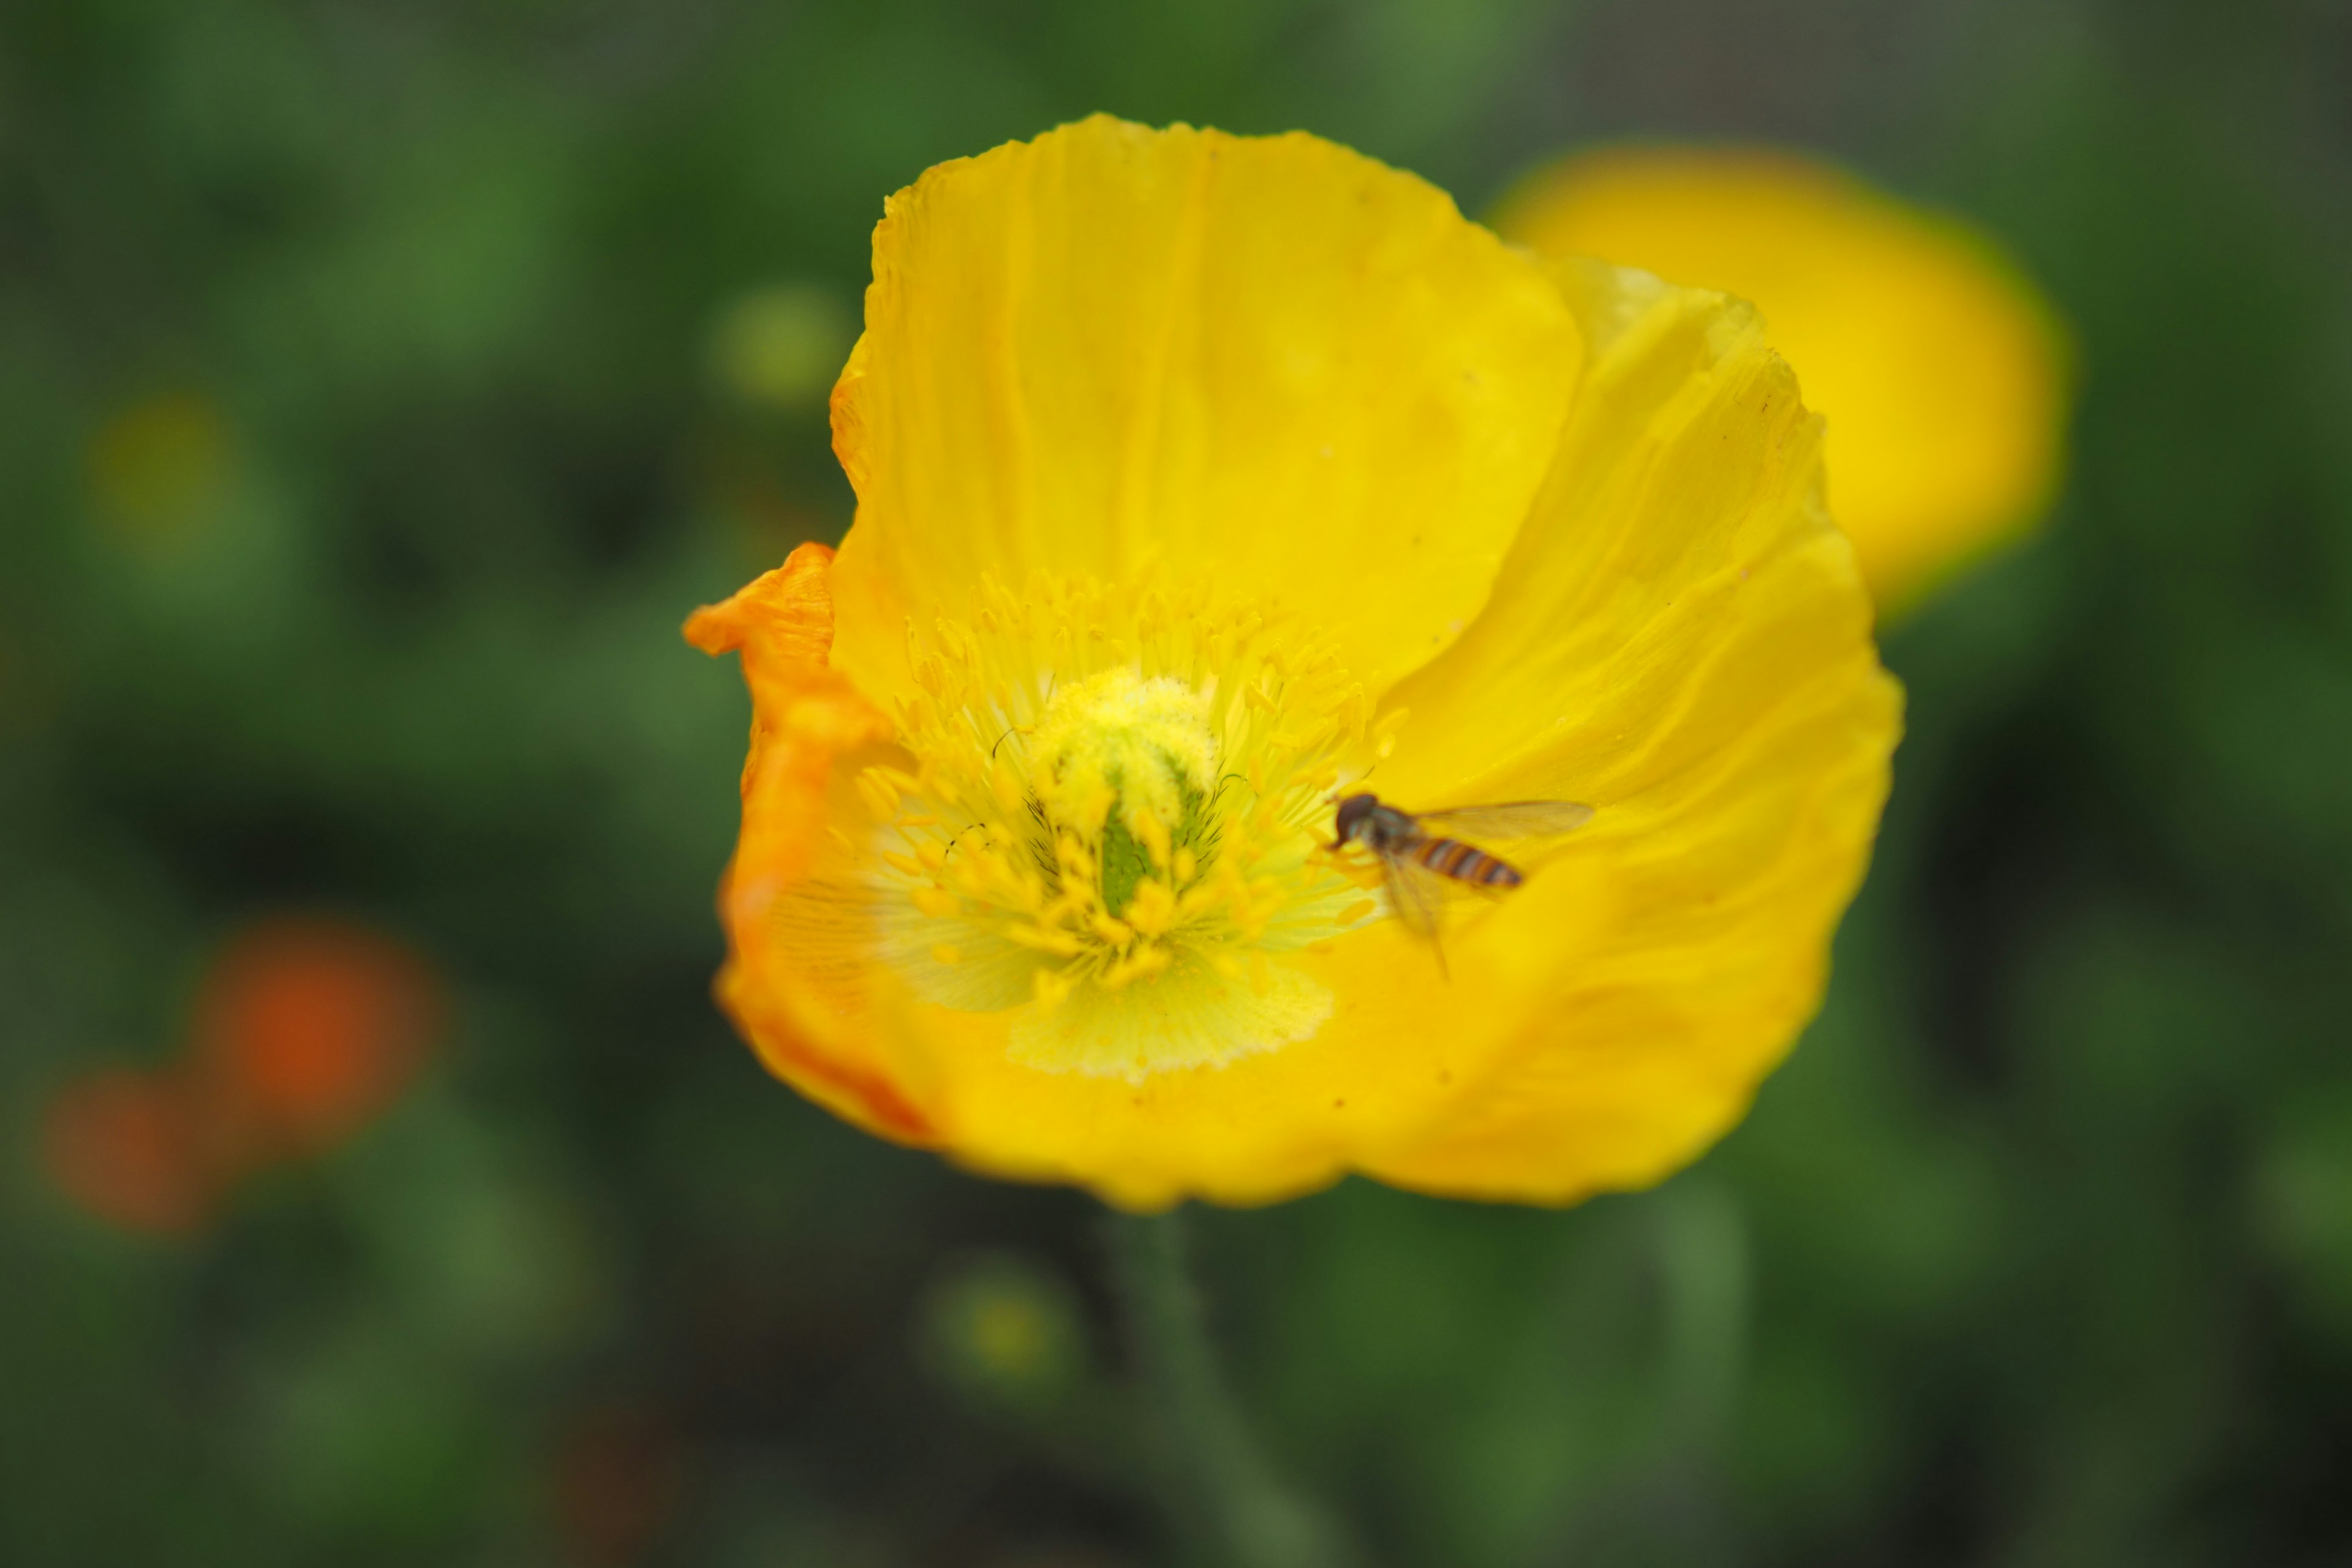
{"x": 1113, "y": 824}
{"x": 1122, "y": 770}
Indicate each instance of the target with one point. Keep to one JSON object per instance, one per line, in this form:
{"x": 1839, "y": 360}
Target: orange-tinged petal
{"x": 1270, "y": 360}
{"x": 805, "y": 719}
{"x": 1941, "y": 371}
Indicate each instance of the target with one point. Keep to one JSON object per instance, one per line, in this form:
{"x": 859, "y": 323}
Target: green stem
{"x": 1702, "y": 1240}
{"x": 1223, "y": 1497}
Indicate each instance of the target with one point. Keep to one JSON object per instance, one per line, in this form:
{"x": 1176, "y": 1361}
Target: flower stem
{"x": 1224, "y": 1497}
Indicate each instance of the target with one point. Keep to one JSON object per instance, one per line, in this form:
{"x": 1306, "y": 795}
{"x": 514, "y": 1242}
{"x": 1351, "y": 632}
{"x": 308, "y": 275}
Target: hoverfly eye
{"x": 1351, "y": 815}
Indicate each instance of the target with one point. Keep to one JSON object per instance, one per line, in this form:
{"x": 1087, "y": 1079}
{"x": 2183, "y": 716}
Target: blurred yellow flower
{"x": 160, "y": 467}
{"x": 1197, "y": 475}
{"x": 1941, "y": 371}
{"x": 780, "y": 346}
{"x": 1004, "y": 1332}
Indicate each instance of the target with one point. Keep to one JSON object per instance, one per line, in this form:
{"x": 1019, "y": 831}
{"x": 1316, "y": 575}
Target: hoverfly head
{"x": 1353, "y": 812}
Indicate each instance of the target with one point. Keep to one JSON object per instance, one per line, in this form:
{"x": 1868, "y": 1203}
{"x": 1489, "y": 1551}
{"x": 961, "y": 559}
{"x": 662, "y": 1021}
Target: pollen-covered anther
{"x": 1115, "y": 818}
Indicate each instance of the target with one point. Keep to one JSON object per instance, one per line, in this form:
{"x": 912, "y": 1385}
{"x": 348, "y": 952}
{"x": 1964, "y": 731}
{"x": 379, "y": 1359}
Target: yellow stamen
{"x": 1117, "y": 804}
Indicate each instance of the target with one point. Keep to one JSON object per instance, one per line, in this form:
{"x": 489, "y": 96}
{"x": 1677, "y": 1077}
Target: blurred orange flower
{"x": 1941, "y": 371}
{"x": 126, "y": 1145}
{"x": 305, "y": 1030}
{"x": 308, "y": 1028}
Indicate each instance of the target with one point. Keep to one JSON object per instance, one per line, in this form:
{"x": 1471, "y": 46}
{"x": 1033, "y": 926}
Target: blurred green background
{"x": 380, "y": 384}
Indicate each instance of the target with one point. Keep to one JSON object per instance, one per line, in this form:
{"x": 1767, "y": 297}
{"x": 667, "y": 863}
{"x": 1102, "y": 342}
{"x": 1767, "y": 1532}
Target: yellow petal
{"x": 1940, "y": 370}
{"x": 1271, "y": 362}
{"x": 1409, "y": 1046}
{"x": 1680, "y": 641}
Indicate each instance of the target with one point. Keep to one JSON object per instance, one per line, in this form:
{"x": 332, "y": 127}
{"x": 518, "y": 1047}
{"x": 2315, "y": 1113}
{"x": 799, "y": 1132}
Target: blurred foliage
{"x": 380, "y": 384}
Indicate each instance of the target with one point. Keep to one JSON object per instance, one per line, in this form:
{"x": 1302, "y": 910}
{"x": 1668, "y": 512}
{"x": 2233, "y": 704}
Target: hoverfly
{"x": 1418, "y": 855}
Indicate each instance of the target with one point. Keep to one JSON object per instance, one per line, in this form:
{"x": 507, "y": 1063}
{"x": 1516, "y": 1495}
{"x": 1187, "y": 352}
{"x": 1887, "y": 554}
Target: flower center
{"x": 1113, "y": 824}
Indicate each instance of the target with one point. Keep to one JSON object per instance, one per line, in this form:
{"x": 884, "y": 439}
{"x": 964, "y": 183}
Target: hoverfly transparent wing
{"x": 1518, "y": 819}
{"x": 1415, "y": 895}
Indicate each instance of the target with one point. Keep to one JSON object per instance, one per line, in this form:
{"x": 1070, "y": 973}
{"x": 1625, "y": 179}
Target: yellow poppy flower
{"x": 1198, "y": 478}
{"x": 1940, "y": 370}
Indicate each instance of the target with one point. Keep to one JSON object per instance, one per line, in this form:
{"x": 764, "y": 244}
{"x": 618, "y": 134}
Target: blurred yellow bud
{"x": 160, "y": 467}
{"x": 1941, "y": 371}
{"x": 779, "y": 347}
{"x": 1003, "y": 1331}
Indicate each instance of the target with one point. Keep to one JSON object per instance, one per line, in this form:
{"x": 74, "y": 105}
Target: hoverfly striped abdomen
{"x": 1464, "y": 863}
